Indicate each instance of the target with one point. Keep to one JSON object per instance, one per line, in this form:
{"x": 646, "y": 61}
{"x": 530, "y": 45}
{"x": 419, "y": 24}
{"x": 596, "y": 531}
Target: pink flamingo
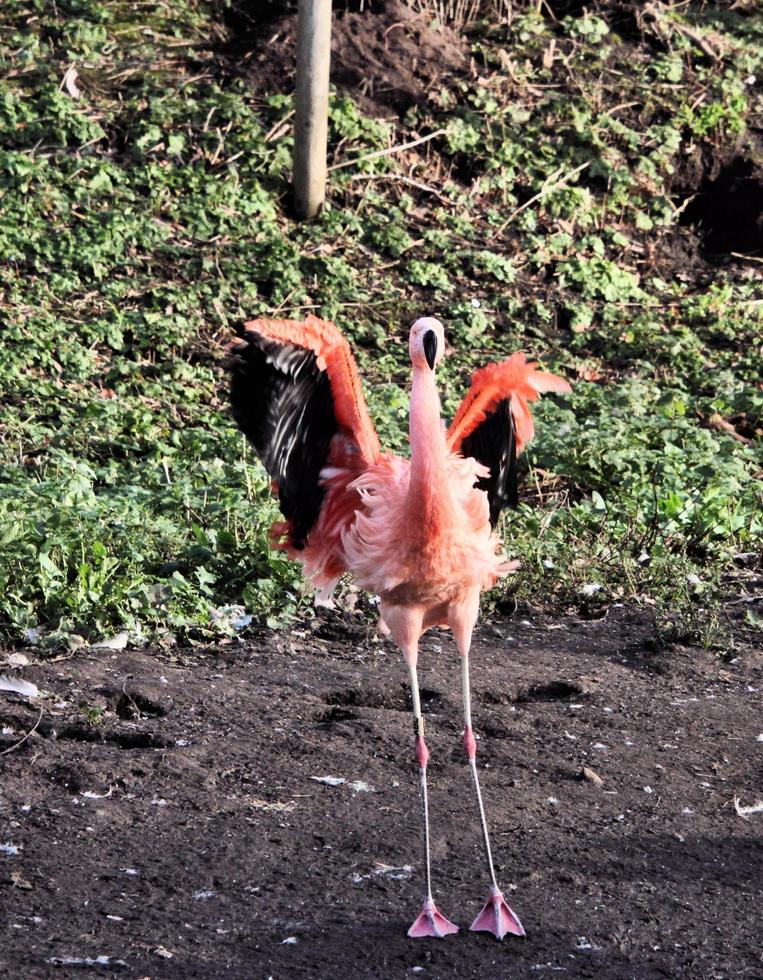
{"x": 418, "y": 533}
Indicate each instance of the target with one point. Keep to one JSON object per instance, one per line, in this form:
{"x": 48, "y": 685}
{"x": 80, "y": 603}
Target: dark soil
{"x": 181, "y": 834}
{"x": 388, "y": 56}
{"x": 723, "y": 192}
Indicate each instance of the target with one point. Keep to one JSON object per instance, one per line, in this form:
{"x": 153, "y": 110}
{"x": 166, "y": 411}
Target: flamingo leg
{"x": 496, "y": 916}
{"x": 405, "y": 625}
{"x": 429, "y": 922}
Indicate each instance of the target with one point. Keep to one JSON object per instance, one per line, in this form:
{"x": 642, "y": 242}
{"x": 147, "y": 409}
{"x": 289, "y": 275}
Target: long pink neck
{"x": 428, "y": 493}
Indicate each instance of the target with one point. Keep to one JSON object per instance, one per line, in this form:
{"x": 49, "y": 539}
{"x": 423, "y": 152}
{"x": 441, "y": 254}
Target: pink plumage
{"x": 419, "y": 533}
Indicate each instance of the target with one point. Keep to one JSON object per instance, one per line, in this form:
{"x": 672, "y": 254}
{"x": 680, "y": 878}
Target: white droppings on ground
{"x": 90, "y": 795}
{"x": 388, "y": 871}
{"x": 130, "y": 871}
{"x": 290, "y": 941}
{"x": 203, "y": 895}
{"x": 360, "y": 786}
{"x": 329, "y": 780}
{"x": 10, "y": 849}
{"x": 85, "y": 961}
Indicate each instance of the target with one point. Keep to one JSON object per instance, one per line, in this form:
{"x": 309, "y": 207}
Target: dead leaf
{"x": 19, "y": 882}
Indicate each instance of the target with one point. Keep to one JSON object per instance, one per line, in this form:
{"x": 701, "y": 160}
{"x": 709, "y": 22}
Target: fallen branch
{"x": 403, "y": 179}
{"x": 719, "y": 423}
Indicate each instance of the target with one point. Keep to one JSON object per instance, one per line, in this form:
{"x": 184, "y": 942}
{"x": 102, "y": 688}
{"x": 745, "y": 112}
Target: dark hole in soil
{"x": 564, "y": 8}
{"x": 337, "y": 714}
{"x": 553, "y": 691}
{"x": 727, "y": 209}
{"x": 67, "y": 777}
{"x": 354, "y": 698}
{"x": 133, "y": 704}
{"x": 493, "y": 731}
{"x": 141, "y": 740}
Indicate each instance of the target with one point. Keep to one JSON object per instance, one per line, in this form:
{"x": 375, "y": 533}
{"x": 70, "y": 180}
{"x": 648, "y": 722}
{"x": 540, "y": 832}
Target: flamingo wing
{"x": 493, "y": 423}
{"x": 294, "y": 390}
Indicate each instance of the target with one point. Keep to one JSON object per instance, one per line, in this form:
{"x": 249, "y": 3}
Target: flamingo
{"x": 419, "y": 533}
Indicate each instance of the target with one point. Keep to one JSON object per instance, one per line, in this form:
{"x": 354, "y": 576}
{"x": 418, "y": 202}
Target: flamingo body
{"x": 419, "y": 532}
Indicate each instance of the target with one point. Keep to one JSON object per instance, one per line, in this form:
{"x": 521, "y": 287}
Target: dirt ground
{"x": 165, "y": 816}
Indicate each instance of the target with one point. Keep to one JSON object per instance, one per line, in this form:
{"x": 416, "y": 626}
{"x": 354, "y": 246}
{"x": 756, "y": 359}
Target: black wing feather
{"x": 494, "y": 444}
{"x": 282, "y": 401}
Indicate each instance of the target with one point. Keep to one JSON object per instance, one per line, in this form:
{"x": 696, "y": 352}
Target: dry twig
{"x": 377, "y": 154}
{"x": 32, "y": 730}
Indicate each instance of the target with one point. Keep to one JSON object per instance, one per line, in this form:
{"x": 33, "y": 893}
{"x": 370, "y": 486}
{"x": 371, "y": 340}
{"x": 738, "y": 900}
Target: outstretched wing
{"x": 294, "y": 388}
{"x": 493, "y": 423}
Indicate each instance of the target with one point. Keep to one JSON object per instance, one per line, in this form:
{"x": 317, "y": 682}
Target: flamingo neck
{"x": 428, "y": 490}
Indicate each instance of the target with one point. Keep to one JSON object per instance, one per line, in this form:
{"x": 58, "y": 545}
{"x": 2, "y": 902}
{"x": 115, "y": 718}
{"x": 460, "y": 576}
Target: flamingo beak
{"x": 430, "y": 347}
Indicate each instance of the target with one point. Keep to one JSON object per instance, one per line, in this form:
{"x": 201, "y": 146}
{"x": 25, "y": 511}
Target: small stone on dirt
{"x": 592, "y": 776}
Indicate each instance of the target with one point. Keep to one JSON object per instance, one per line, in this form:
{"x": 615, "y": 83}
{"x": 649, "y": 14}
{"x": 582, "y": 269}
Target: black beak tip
{"x": 430, "y": 347}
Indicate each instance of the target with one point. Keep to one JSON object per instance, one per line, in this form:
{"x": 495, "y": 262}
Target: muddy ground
{"x": 166, "y": 817}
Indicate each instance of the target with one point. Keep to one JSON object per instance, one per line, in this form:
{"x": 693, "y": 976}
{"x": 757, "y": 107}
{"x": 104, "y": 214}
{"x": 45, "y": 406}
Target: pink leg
{"x": 496, "y": 916}
{"x": 405, "y": 628}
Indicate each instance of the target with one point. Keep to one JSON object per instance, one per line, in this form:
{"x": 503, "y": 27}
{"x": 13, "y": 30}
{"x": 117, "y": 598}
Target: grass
{"x": 140, "y": 222}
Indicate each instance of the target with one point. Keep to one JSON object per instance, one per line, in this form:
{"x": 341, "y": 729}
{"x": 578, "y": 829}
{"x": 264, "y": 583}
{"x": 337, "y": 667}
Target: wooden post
{"x": 312, "y": 106}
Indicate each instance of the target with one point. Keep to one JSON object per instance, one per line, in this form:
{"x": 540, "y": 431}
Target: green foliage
{"x": 140, "y": 222}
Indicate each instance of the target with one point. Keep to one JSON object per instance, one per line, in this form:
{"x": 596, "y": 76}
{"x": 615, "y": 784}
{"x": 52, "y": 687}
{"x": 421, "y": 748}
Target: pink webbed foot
{"x": 497, "y": 917}
{"x": 431, "y": 923}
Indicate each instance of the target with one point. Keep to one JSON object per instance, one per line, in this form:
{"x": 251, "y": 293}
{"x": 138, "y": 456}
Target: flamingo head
{"x": 427, "y": 342}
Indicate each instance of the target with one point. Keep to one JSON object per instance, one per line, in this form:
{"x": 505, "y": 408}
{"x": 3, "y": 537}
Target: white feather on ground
{"x": 747, "y": 811}
{"x": 14, "y": 685}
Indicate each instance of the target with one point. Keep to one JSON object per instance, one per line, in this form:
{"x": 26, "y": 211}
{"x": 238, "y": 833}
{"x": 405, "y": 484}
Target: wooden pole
{"x": 312, "y": 106}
